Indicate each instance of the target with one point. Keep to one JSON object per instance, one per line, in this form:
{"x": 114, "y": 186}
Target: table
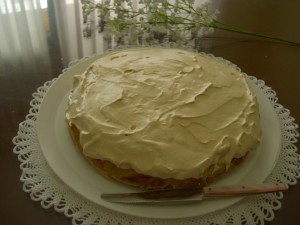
{"x": 275, "y": 63}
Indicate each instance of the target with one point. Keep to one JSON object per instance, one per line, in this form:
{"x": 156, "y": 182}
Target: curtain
{"x": 70, "y": 31}
{"x": 23, "y": 39}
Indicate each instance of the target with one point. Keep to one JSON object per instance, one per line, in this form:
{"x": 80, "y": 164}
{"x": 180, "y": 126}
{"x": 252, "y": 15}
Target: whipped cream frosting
{"x": 166, "y": 113}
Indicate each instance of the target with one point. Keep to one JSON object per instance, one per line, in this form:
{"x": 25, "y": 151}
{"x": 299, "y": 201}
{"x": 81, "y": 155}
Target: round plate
{"x": 76, "y": 172}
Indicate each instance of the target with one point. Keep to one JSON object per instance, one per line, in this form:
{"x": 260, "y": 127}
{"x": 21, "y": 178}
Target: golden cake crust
{"x": 132, "y": 178}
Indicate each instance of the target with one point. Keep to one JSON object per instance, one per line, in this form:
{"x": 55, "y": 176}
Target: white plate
{"x": 74, "y": 170}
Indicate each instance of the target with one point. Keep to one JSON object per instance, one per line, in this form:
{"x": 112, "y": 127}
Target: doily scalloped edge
{"x": 45, "y": 187}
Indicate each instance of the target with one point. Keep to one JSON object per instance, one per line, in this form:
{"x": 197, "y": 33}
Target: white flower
{"x": 154, "y": 19}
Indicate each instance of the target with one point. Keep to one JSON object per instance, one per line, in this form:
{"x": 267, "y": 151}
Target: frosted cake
{"x": 163, "y": 118}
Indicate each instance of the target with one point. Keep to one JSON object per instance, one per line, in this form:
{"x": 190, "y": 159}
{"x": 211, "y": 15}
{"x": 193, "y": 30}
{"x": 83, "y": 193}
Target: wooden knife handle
{"x": 242, "y": 190}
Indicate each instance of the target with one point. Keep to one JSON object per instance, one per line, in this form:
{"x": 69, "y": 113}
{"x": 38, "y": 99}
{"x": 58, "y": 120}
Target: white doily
{"x": 45, "y": 187}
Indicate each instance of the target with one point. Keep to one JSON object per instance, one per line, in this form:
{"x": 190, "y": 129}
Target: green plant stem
{"x": 222, "y": 26}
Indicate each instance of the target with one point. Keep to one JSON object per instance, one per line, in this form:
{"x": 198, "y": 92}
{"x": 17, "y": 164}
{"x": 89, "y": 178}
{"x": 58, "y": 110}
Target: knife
{"x": 190, "y": 195}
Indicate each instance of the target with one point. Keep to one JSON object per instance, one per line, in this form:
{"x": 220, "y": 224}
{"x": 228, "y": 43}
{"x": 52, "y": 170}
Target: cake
{"x": 163, "y": 117}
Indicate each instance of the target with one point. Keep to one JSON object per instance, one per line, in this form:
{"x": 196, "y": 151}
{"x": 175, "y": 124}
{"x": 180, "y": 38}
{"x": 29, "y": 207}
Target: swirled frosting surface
{"x": 166, "y": 113}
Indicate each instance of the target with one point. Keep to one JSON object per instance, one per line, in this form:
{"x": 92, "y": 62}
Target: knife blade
{"x": 191, "y": 195}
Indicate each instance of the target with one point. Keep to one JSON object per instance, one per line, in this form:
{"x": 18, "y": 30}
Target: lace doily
{"x": 45, "y": 187}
